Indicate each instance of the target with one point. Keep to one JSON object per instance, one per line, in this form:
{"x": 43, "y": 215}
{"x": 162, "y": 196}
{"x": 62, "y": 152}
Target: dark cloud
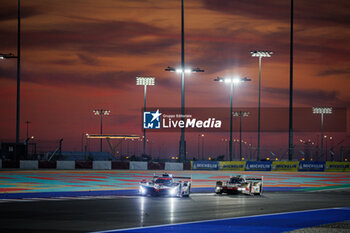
{"x": 87, "y": 59}
{"x": 310, "y": 97}
{"x": 128, "y": 47}
{"x": 121, "y": 80}
{"x": 106, "y": 38}
{"x": 11, "y": 12}
{"x": 312, "y": 12}
{"x": 333, "y": 72}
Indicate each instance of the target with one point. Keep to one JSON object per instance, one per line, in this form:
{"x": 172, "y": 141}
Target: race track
{"x": 88, "y": 214}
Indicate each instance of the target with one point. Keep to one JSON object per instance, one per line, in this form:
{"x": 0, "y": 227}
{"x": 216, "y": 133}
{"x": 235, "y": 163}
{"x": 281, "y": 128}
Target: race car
{"x": 240, "y": 184}
{"x": 167, "y": 185}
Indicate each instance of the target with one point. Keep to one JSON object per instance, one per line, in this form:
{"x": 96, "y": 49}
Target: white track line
{"x": 324, "y": 190}
{"x": 213, "y": 220}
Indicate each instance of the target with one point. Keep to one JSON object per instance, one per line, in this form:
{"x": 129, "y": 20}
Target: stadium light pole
{"x": 27, "y": 122}
{"x": 198, "y": 149}
{"x": 182, "y": 146}
{"x": 240, "y": 114}
{"x": 18, "y": 57}
{"x": 232, "y": 82}
{"x": 145, "y": 81}
{"x": 101, "y": 112}
{"x": 322, "y": 111}
{"x": 183, "y": 70}
{"x": 260, "y": 55}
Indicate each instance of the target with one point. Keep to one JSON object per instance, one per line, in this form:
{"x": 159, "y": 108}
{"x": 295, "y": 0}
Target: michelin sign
{"x": 308, "y": 166}
{"x": 258, "y": 166}
{"x": 205, "y": 165}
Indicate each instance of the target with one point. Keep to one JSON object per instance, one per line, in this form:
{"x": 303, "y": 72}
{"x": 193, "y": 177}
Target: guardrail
{"x": 278, "y": 166}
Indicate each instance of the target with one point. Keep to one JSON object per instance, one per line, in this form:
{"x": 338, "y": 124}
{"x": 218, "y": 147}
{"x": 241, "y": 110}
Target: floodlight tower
{"x": 145, "y": 81}
{"x": 322, "y": 111}
{"x": 101, "y": 112}
{"x": 260, "y": 55}
{"x": 240, "y": 114}
{"x": 18, "y": 57}
{"x": 232, "y": 82}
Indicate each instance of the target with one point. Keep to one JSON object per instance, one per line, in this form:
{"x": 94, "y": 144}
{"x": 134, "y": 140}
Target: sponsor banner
{"x": 29, "y": 164}
{"x": 258, "y": 166}
{"x": 69, "y": 165}
{"x": 232, "y": 165}
{"x": 138, "y": 165}
{"x": 174, "y": 166}
{"x": 337, "y": 167}
{"x": 101, "y": 165}
{"x": 205, "y": 165}
{"x": 291, "y": 166}
{"x": 307, "y": 166}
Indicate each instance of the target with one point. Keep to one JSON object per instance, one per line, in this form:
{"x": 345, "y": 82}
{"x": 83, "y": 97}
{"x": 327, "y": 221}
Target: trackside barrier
{"x": 29, "y": 164}
{"x": 65, "y": 165}
{"x": 205, "y": 165}
{"x": 309, "y": 166}
{"x": 232, "y": 165}
{"x": 258, "y": 166}
{"x": 290, "y": 166}
{"x": 120, "y": 165}
{"x": 101, "y": 165}
{"x": 47, "y": 164}
{"x": 83, "y": 164}
{"x": 187, "y": 165}
{"x": 337, "y": 167}
{"x": 138, "y": 165}
{"x": 155, "y": 166}
{"x": 10, "y": 163}
{"x": 174, "y": 166}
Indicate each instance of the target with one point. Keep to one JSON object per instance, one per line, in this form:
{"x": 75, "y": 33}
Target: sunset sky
{"x": 81, "y": 55}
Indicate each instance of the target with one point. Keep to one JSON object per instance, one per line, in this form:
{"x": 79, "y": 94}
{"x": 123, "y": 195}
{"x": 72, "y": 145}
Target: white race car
{"x": 240, "y": 184}
{"x": 166, "y": 184}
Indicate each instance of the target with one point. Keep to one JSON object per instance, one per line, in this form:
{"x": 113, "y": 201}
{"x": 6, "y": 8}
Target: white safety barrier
{"x": 65, "y": 165}
{"x": 101, "y": 165}
{"x": 29, "y": 164}
{"x": 174, "y": 166}
{"x": 138, "y": 165}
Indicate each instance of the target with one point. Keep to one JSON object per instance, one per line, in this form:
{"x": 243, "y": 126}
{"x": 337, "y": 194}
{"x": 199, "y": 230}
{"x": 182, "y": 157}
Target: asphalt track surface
{"x": 120, "y": 212}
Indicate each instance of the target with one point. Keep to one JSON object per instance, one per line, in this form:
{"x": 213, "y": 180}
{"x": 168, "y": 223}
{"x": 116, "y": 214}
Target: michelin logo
{"x": 151, "y": 120}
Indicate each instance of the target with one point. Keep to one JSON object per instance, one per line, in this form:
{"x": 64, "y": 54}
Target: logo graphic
{"x": 151, "y": 120}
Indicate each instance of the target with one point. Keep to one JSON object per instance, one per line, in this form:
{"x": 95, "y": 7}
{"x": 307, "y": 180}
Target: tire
{"x": 189, "y": 191}
{"x": 260, "y": 190}
{"x": 220, "y": 192}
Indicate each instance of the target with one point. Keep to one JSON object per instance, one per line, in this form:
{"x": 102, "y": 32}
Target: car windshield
{"x": 235, "y": 180}
{"x": 163, "y": 181}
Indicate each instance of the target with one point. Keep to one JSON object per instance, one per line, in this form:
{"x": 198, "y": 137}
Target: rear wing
{"x": 155, "y": 176}
{"x": 255, "y": 179}
{"x": 183, "y": 177}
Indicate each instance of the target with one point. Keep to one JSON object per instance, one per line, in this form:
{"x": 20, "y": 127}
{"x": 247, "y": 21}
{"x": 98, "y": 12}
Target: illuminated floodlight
{"x": 187, "y": 70}
{"x": 322, "y": 110}
{"x": 236, "y": 80}
{"x": 232, "y": 80}
{"x": 7, "y": 56}
{"x": 259, "y": 53}
{"x": 145, "y": 81}
{"x": 101, "y": 112}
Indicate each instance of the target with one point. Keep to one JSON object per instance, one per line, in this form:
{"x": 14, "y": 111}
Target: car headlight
{"x": 173, "y": 191}
{"x": 142, "y": 190}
